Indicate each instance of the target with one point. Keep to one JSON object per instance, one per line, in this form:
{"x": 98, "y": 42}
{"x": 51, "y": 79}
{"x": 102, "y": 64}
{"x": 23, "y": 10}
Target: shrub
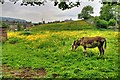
{"x": 13, "y": 40}
{"x": 112, "y": 22}
{"x": 26, "y": 33}
{"x": 101, "y": 23}
{"x": 2, "y": 39}
{"x": 4, "y": 25}
{"x": 18, "y": 27}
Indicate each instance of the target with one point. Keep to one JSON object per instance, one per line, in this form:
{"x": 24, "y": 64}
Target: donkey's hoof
{"x": 85, "y": 55}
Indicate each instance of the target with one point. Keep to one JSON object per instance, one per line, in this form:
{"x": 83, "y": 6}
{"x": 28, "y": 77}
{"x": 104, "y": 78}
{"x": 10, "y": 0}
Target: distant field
{"x": 48, "y": 47}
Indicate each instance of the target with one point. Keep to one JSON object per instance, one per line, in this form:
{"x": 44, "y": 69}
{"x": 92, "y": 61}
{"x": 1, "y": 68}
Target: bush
{"x": 112, "y": 22}
{"x": 2, "y": 39}
{"x": 4, "y": 25}
{"x": 26, "y": 33}
{"x": 101, "y": 23}
{"x": 13, "y": 40}
{"x": 18, "y": 27}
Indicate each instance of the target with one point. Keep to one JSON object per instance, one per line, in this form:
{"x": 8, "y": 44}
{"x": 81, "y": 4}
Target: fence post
{"x": 3, "y": 34}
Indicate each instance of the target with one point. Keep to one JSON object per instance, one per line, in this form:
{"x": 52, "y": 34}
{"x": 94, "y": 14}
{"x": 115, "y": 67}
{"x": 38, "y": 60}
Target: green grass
{"x": 53, "y": 52}
{"x": 72, "y": 25}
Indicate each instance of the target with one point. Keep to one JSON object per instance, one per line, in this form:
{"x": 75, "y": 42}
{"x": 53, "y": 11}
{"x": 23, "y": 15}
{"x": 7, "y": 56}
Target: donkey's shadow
{"x": 91, "y": 54}
{"x": 96, "y": 55}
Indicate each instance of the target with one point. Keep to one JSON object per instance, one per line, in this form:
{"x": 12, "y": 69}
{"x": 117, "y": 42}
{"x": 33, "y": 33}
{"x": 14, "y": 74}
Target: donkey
{"x": 90, "y": 42}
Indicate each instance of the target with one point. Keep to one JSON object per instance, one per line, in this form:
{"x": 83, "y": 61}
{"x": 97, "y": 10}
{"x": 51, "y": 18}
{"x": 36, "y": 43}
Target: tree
{"x": 106, "y": 12}
{"x": 86, "y": 12}
{"x": 100, "y": 23}
{"x": 4, "y": 25}
{"x": 110, "y": 11}
{"x": 112, "y": 2}
{"x": 18, "y": 27}
{"x": 61, "y": 4}
{"x": 116, "y": 12}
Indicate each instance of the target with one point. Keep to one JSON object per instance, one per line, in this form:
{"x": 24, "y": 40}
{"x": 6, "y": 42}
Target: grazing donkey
{"x": 90, "y": 42}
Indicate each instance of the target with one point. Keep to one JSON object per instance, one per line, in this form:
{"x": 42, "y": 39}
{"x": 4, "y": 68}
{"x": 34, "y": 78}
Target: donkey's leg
{"x": 100, "y": 50}
{"x": 84, "y": 51}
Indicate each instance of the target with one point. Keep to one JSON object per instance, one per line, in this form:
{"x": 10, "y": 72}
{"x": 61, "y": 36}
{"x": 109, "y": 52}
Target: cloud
{"x": 48, "y": 12}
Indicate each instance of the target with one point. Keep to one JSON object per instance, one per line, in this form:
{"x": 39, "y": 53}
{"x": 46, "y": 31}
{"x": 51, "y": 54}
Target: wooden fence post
{"x": 3, "y": 34}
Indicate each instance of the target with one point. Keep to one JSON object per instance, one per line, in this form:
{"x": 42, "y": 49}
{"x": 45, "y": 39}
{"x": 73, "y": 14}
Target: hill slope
{"x": 11, "y": 19}
{"x": 72, "y": 25}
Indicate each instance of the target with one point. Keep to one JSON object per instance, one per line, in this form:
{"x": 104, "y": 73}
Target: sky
{"x": 48, "y": 12}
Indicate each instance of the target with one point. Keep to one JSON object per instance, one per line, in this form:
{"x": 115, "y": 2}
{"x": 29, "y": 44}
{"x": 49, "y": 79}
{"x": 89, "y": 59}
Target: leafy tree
{"x": 86, "y": 12}
{"x": 18, "y": 27}
{"x": 61, "y": 4}
{"x": 112, "y": 22}
{"x": 110, "y": 12}
{"x": 4, "y": 25}
{"x": 106, "y": 12}
{"x": 116, "y": 12}
{"x": 100, "y": 23}
{"x": 112, "y": 2}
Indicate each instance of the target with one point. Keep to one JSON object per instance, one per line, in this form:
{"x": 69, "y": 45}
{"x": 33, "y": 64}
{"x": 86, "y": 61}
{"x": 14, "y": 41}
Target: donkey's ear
{"x": 74, "y": 41}
{"x": 81, "y": 39}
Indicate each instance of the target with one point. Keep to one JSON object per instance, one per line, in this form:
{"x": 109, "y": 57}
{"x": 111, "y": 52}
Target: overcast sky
{"x": 48, "y": 12}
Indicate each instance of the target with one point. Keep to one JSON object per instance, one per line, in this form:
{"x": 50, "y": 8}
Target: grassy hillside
{"x": 72, "y": 25}
{"x": 48, "y": 48}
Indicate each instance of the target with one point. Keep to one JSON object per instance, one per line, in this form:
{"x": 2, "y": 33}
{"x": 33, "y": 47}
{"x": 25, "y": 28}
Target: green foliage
{"x": 101, "y": 23}
{"x": 72, "y": 25}
{"x": 112, "y": 22}
{"x": 13, "y": 40}
{"x": 2, "y": 39}
{"x": 26, "y": 33}
{"x": 86, "y": 12}
{"x": 106, "y": 12}
{"x": 61, "y": 4}
{"x": 18, "y": 27}
{"x": 4, "y": 25}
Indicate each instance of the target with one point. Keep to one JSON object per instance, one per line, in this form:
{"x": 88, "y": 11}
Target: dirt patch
{"x": 28, "y": 72}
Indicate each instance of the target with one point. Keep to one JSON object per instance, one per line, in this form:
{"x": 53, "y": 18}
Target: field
{"x": 45, "y": 51}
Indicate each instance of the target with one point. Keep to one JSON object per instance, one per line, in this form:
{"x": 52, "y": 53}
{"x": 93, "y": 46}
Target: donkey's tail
{"x": 105, "y": 44}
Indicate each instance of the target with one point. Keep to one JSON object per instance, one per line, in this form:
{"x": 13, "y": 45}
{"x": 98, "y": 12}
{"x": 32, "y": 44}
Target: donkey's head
{"x": 75, "y": 45}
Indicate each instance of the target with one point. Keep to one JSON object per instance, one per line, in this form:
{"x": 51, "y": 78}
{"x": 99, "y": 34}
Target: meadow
{"x": 48, "y": 47}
